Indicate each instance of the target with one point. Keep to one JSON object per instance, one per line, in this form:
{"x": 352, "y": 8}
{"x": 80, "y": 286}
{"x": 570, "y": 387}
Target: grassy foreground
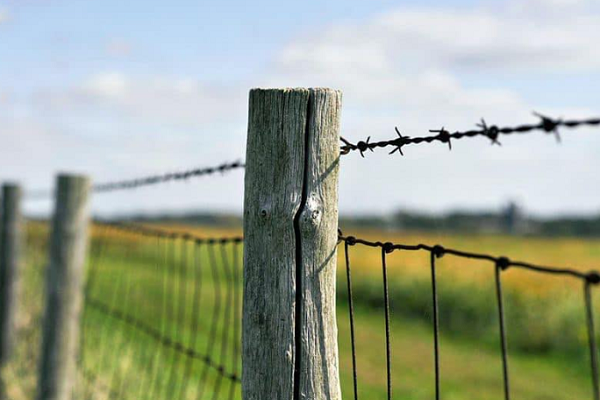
{"x": 544, "y": 317}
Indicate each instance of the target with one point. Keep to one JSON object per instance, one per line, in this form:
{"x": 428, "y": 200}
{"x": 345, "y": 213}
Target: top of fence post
{"x": 290, "y": 229}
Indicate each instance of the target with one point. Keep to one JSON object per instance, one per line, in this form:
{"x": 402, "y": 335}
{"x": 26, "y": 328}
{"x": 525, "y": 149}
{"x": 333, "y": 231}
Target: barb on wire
{"x": 150, "y": 180}
{"x": 492, "y": 132}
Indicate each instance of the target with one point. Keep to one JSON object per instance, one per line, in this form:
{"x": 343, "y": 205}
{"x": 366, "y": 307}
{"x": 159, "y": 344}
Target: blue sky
{"x": 121, "y": 89}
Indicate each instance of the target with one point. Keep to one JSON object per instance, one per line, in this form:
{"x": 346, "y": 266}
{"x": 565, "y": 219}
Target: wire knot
{"x": 351, "y": 240}
{"x": 503, "y": 263}
{"x": 388, "y": 247}
{"x": 363, "y": 146}
{"x": 438, "y": 251}
{"x": 593, "y": 277}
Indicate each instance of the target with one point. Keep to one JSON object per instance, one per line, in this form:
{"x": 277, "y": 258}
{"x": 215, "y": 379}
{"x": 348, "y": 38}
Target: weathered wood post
{"x": 10, "y": 266}
{"x": 290, "y": 227}
{"x": 64, "y": 289}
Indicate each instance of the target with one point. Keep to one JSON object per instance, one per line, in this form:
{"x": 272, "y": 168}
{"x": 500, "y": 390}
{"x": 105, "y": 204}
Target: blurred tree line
{"x": 509, "y": 220}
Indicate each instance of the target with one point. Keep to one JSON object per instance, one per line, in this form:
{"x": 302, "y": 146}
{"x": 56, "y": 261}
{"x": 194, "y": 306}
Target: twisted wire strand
{"x": 491, "y": 132}
{"x": 151, "y": 180}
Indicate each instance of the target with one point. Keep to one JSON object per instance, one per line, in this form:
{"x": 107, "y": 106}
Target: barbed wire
{"x": 150, "y": 180}
{"x": 491, "y": 132}
{"x": 501, "y": 263}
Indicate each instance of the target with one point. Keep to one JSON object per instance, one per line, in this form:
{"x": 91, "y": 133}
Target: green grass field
{"x": 158, "y": 285}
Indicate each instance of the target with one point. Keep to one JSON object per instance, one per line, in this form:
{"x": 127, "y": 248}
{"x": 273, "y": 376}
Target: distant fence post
{"x": 64, "y": 289}
{"x": 290, "y": 228}
{"x": 10, "y": 266}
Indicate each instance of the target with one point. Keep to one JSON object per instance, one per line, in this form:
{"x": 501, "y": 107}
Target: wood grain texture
{"x": 273, "y": 193}
{"x": 64, "y": 289}
{"x": 10, "y": 266}
{"x": 282, "y": 124}
{"x": 319, "y": 377}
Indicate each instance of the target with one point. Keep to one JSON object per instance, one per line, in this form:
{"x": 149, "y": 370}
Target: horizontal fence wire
{"x": 501, "y": 264}
{"x": 491, "y": 132}
{"x": 151, "y": 180}
{"x": 162, "y": 315}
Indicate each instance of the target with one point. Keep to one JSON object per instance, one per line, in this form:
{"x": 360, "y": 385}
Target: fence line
{"x": 148, "y": 286}
{"x": 492, "y": 132}
{"x": 501, "y": 264}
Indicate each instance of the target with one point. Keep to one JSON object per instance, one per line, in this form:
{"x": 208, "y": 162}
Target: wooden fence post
{"x": 64, "y": 289}
{"x": 290, "y": 228}
{"x": 10, "y": 266}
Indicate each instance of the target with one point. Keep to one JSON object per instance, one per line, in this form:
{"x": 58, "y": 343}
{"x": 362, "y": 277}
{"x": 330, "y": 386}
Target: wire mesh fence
{"x": 500, "y": 265}
{"x": 162, "y": 315}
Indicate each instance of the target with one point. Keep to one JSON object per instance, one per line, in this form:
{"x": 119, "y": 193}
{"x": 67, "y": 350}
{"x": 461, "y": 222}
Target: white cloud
{"x": 4, "y": 16}
{"x": 178, "y": 102}
{"x": 107, "y": 85}
{"x": 118, "y": 48}
{"x": 449, "y": 38}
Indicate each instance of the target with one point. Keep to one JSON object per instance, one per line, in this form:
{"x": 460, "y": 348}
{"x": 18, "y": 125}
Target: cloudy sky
{"x": 119, "y": 89}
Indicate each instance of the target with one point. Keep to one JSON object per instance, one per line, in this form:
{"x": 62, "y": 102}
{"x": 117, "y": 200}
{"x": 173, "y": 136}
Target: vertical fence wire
{"x": 210, "y": 344}
{"x": 501, "y": 321}
{"x": 589, "y": 311}
{"x": 351, "y": 317}
{"x": 388, "y": 350}
{"x": 436, "y": 323}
